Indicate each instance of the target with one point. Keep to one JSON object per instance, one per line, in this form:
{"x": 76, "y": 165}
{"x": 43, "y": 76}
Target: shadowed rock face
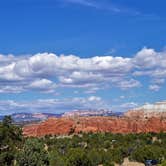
{"x": 66, "y": 126}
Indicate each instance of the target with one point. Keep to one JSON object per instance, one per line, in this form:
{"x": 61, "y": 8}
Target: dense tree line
{"x": 91, "y": 149}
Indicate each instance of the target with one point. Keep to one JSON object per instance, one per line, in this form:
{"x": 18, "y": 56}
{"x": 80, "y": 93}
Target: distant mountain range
{"x": 37, "y": 117}
{"x": 83, "y": 113}
{"x": 31, "y": 117}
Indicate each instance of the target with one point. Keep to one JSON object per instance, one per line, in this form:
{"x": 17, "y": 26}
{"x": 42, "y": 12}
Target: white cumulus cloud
{"x": 48, "y": 71}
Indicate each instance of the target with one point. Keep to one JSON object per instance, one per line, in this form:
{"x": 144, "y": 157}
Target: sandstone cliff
{"x": 66, "y": 126}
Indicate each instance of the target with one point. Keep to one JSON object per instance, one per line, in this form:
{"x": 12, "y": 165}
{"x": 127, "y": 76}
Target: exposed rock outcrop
{"x": 66, "y": 126}
{"x": 148, "y": 110}
{"x": 53, "y": 126}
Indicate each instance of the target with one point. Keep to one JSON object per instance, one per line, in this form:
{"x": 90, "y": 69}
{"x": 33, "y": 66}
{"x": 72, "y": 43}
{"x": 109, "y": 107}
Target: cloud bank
{"x": 51, "y": 105}
{"x": 45, "y": 72}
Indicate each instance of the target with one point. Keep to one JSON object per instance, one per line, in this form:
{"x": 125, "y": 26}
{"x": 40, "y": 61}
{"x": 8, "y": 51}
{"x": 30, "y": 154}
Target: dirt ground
{"x": 130, "y": 163}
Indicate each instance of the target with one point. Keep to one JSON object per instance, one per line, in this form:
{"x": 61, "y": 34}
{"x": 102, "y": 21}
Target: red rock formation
{"x": 53, "y": 126}
{"x": 65, "y": 126}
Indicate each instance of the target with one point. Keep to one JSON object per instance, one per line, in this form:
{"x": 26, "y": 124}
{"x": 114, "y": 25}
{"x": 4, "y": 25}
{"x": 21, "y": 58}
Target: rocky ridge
{"x": 67, "y": 126}
{"x": 148, "y": 118}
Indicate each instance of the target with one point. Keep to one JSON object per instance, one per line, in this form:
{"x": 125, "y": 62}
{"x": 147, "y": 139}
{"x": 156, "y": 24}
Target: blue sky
{"x": 62, "y": 55}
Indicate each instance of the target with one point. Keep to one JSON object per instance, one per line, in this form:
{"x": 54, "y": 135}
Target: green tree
{"x": 55, "y": 159}
{"x": 78, "y": 157}
{"x": 148, "y": 152}
{"x": 94, "y": 157}
{"x": 116, "y": 155}
{"x": 33, "y": 154}
{"x": 10, "y": 141}
{"x": 7, "y": 121}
